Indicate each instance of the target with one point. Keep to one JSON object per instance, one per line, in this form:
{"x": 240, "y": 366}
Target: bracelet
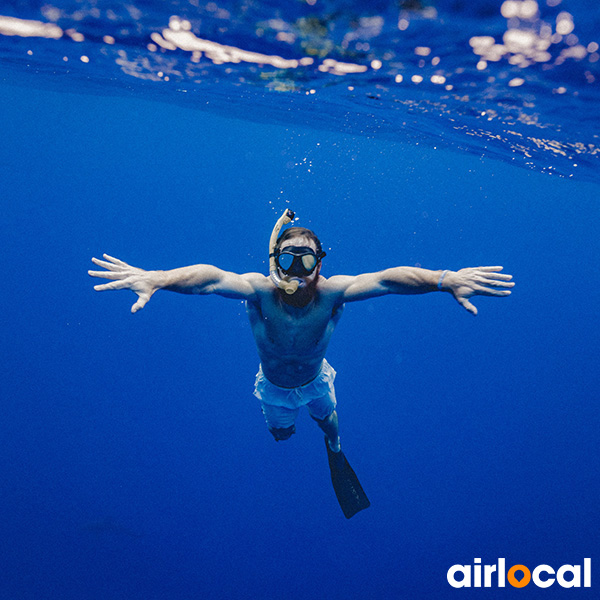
{"x": 441, "y": 279}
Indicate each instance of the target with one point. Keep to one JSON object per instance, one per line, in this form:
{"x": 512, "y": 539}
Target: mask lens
{"x": 285, "y": 260}
{"x": 309, "y": 261}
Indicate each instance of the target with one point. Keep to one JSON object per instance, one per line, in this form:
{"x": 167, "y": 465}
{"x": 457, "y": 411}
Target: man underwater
{"x": 293, "y": 313}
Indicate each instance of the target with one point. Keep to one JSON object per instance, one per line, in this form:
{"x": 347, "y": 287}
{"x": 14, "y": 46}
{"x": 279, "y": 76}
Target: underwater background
{"x": 135, "y": 459}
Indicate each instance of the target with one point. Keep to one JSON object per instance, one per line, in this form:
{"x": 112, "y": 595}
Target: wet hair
{"x": 298, "y": 232}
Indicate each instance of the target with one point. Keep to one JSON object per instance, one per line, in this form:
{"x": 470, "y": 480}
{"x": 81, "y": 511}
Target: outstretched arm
{"x": 463, "y": 284}
{"x": 197, "y": 279}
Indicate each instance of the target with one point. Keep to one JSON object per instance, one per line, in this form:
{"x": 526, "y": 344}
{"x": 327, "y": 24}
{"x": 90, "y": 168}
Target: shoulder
{"x": 257, "y": 279}
{"x": 337, "y": 284}
{"x": 350, "y": 288}
{"x": 261, "y": 284}
{"x": 334, "y": 287}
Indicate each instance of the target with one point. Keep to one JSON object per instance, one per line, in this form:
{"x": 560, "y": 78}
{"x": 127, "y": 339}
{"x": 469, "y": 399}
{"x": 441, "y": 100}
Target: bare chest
{"x": 290, "y": 331}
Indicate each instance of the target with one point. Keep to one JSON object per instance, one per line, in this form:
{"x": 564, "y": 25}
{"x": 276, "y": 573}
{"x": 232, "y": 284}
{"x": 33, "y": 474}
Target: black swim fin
{"x": 347, "y": 488}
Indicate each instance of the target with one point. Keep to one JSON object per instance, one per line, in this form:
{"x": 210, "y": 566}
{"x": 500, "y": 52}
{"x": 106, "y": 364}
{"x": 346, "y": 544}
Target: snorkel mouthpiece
{"x": 289, "y": 287}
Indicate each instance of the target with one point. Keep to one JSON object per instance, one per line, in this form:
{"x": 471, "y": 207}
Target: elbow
{"x": 205, "y": 290}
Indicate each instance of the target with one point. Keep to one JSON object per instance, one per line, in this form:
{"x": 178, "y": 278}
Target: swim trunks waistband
{"x": 296, "y": 386}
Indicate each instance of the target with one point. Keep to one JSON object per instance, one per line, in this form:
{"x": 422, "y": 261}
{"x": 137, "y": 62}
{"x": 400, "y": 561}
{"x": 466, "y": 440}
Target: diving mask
{"x": 299, "y": 261}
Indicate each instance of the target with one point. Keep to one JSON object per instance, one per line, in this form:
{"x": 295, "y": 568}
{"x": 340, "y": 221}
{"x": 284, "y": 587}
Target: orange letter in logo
{"x": 518, "y": 583}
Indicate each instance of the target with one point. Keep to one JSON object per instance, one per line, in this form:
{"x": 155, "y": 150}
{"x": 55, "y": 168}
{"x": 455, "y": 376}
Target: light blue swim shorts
{"x": 282, "y": 405}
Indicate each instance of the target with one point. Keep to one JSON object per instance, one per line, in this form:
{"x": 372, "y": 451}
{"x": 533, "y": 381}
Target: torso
{"x": 292, "y": 341}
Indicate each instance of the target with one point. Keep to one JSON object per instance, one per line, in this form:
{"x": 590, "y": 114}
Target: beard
{"x": 303, "y": 296}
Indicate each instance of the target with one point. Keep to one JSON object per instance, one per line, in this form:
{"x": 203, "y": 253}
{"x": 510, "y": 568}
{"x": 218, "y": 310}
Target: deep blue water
{"x": 136, "y": 462}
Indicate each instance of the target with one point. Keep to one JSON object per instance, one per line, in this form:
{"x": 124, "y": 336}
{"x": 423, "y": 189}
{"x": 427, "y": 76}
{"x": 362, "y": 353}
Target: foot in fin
{"x": 347, "y": 488}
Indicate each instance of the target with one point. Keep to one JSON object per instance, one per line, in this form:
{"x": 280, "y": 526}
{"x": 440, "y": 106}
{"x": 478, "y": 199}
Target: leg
{"x": 280, "y": 421}
{"x": 322, "y": 406}
{"x": 282, "y": 433}
{"x": 330, "y": 428}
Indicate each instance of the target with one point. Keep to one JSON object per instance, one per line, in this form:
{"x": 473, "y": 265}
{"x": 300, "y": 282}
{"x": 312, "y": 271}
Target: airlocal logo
{"x": 478, "y": 575}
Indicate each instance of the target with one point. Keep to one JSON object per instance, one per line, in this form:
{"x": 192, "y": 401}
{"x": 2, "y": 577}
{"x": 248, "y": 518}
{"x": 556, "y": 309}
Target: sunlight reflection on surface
{"x": 399, "y": 63}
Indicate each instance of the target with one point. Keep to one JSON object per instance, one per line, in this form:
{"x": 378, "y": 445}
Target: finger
{"x": 107, "y": 265}
{"x": 99, "y": 262}
{"x": 481, "y": 290}
{"x": 141, "y": 302}
{"x": 467, "y": 305}
{"x": 497, "y": 276}
{"x": 490, "y": 269}
{"x": 494, "y": 283}
{"x": 106, "y": 274}
{"x": 113, "y": 285}
{"x": 118, "y": 262}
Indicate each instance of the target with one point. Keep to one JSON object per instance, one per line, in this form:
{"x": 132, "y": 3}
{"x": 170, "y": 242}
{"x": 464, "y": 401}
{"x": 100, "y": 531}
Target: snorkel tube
{"x": 289, "y": 287}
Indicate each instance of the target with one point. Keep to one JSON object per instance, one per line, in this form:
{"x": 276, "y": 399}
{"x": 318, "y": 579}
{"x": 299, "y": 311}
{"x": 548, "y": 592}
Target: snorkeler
{"x": 293, "y": 313}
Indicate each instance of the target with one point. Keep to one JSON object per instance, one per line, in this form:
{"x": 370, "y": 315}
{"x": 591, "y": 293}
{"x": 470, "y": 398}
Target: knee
{"x": 281, "y": 434}
{"x": 331, "y": 417}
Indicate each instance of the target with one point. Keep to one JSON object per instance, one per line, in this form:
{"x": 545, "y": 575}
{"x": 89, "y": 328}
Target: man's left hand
{"x": 476, "y": 281}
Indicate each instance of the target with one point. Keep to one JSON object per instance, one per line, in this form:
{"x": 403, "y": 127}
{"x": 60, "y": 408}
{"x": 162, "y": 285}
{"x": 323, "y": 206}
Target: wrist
{"x": 444, "y": 280}
{"x": 157, "y": 279}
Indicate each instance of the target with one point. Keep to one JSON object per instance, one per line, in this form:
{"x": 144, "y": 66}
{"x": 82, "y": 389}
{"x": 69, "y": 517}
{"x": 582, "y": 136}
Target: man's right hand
{"x": 125, "y": 277}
